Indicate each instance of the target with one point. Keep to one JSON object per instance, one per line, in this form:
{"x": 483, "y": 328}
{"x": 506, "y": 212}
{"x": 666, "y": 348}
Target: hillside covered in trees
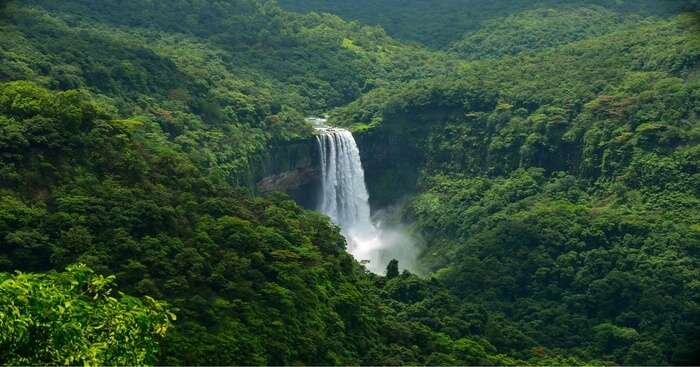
{"x": 439, "y": 24}
{"x": 546, "y": 154}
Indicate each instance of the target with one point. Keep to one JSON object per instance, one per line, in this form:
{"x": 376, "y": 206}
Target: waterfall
{"x": 344, "y": 198}
{"x": 344, "y": 195}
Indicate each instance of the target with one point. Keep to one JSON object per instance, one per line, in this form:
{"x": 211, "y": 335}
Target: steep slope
{"x": 252, "y": 280}
{"x": 560, "y": 188}
{"x": 223, "y": 80}
{"x": 557, "y": 186}
{"x": 122, "y": 146}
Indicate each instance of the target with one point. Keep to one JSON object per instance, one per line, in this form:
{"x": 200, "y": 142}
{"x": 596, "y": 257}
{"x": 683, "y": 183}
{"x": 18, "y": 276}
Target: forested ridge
{"x": 437, "y": 25}
{"x": 560, "y": 188}
{"x": 557, "y": 191}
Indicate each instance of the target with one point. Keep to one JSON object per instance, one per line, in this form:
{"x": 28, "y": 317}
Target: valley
{"x": 490, "y": 183}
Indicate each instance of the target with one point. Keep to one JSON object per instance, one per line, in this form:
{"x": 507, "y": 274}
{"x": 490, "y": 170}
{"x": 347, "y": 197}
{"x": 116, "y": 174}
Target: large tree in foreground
{"x": 72, "y": 318}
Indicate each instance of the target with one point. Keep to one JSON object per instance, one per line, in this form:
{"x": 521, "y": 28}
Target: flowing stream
{"x": 344, "y": 198}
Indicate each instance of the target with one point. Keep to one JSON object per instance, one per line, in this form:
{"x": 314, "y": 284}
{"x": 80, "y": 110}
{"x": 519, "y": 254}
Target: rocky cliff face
{"x": 390, "y": 160}
{"x": 292, "y": 168}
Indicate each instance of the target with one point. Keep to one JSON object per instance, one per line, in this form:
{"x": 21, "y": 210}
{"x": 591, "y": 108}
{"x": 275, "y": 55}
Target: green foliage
{"x": 72, "y": 318}
{"x": 558, "y": 191}
{"x": 392, "y": 270}
{"x": 537, "y": 29}
{"x": 222, "y": 80}
{"x": 83, "y": 187}
{"x": 255, "y": 281}
{"x": 571, "y": 266}
{"x": 439, "y": 24}
{"x": 556, "y": 185}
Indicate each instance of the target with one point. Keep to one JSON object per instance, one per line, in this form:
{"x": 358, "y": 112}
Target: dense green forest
{"x": 437, "y": 24}
{"x": 554, "y": 156}
{"x": 561, "y": 188}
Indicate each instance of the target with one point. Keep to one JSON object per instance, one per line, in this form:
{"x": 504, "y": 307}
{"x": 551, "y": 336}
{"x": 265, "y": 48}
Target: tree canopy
{"x": 547, "y": 153}
{"x": 75, "y": 317}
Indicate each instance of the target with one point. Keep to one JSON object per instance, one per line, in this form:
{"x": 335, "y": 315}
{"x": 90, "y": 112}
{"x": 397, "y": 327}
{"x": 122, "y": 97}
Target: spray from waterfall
{"x": 344, "y": 198}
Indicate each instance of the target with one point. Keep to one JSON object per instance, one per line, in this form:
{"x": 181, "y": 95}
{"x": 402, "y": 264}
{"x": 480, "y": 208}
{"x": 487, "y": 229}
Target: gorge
{"x": 533, "y": 168}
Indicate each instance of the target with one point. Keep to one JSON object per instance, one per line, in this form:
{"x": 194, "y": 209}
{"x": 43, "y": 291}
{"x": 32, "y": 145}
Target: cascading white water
{"x": 344, "y": 195}
{"x": 344, "y": 198}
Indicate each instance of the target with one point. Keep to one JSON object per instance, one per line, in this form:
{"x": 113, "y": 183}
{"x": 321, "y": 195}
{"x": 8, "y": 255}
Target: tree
{"x": 392, "y": 270}
{"x": 72, "y": 318}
